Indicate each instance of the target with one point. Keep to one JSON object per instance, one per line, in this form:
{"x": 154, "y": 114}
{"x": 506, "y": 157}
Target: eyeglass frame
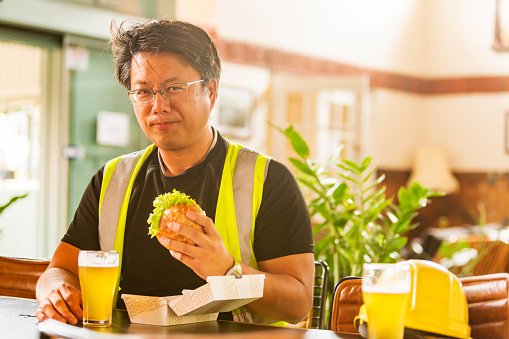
{"x": 132, "y": 94}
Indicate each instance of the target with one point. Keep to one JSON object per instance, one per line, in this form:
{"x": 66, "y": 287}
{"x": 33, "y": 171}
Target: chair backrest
{"x": 346, "y": 304}
{"x": 496, "y": 260}
{"x": 488, "y": 305}
{"x": 18, "y": 276}
{"x": 487, "y": 298}
{"x": 317, "y": 314}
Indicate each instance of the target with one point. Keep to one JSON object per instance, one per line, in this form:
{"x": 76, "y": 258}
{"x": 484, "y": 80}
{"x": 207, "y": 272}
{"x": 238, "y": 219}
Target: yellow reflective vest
{"x": 240, "y": 196}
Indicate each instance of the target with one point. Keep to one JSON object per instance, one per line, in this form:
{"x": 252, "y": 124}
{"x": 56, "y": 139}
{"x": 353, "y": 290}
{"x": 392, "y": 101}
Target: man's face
{"x": 180, "y": 122}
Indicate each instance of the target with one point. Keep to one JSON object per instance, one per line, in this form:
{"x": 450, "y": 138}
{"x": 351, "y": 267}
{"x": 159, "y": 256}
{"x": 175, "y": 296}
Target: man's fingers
{"x": 46, "y": 310}
{"x": 73, "y": 301}
{"x": 190, "y": 262}
{"x": 178, "y": 246}
{"x": 203, "y": 220}
{"x": 61, "y": 307}
{"x": 62, "y": 304}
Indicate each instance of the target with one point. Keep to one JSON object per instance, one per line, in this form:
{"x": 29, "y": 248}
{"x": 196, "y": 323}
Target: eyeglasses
{"x": 168, "y": 92}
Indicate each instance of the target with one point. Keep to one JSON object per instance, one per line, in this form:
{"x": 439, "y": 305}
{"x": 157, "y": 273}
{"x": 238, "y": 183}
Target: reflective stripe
{"x": 243, "y": 185}
{"x": 225, "y": 219}
{"x": 246, "y": 177}
{"x": 117, "y": 175}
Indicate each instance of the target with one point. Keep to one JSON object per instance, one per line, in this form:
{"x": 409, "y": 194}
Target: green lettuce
{"x": 162, "y": 203}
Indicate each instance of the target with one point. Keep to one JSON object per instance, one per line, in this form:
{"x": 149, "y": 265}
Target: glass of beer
{"x": 385, "y": 289}
{"x": 98, "y": 271}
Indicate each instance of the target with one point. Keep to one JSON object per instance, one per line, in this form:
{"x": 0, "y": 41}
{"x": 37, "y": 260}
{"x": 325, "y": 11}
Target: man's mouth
{"x": 163, "y": 124}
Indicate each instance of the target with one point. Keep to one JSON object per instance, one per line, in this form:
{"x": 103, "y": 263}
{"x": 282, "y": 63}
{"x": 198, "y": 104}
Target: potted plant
{"x": 357, "y": 222}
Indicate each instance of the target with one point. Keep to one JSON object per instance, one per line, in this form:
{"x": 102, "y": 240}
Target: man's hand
{"x": 58, "y": 290}
{"x": 209, "y": 256}
{"x": 62, "y": 304}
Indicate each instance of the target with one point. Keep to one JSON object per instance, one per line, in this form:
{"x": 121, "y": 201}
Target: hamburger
{"x": 172, "y": 207}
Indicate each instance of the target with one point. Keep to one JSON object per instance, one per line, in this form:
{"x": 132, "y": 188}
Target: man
{"x": 171, "y": 70}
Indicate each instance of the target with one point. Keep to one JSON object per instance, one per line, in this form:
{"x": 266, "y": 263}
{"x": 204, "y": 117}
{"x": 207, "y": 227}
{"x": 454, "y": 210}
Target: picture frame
{"x": 501, "y": 43}
{"x": 234, "y": 112}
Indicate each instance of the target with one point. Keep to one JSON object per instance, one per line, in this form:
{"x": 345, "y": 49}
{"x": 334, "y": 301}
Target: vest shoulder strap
{"x": 118, "y": 173}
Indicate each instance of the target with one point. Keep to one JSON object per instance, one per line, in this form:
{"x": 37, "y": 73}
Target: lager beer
{"x": 98, "y": 272}
{"x": 385, "y": 289}
{"x": 386, "y": 314}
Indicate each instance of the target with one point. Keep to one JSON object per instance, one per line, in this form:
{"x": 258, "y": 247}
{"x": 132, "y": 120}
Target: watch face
{"x": 236, "y": 271}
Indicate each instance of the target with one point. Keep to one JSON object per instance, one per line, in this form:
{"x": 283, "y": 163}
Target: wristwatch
{"x": 235, "y": 270}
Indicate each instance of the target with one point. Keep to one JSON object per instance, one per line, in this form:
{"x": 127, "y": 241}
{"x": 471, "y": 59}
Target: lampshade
{"x": 430, "y": 169}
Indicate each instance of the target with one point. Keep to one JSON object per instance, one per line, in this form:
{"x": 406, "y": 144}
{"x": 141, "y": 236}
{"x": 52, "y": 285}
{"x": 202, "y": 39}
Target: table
{"x": 17, "y": 320}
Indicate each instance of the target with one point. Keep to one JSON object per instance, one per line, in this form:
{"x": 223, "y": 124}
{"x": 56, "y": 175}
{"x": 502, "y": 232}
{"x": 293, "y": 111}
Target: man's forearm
{"x": 52, "y": 278}
{"x": 285, "y": 297}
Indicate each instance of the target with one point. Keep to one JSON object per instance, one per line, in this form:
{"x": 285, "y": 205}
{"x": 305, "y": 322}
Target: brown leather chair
{"x": 18, "y": 276}
{"x": 488, "y": 305}
{"x": 487, "y": 299}
{"x": 346, "y": 304}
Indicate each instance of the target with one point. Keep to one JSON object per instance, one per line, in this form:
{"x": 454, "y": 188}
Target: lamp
{"x": 430, "y": 169}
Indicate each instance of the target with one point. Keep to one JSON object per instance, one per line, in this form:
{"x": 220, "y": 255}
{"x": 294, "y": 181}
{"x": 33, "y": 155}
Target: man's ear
{"x": 212, "y": 92}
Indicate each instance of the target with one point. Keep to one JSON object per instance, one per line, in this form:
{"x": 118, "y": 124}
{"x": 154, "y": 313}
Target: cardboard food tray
{"x": 219, "y": 294}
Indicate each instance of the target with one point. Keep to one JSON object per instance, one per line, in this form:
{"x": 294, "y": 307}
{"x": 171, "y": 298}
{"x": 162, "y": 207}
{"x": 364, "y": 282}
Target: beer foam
{"x": 98, "y": 259}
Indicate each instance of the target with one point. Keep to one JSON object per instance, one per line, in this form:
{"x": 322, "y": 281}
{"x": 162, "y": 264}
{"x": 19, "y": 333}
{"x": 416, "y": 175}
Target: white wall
{"x": 397, "y": 127}
{"x": 461, "y": 36}
{"x": 471, "y": 128}
{"x": 386, "y": 35}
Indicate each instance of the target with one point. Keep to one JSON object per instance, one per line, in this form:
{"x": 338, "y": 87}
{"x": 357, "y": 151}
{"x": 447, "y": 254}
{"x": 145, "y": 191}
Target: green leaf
{"x": 352, "y": 165}
{"x": 345, "y": 176}
{"x": 13, "y": 199}
{"x": 311, "y": 184}
{"x": 302, "y": 166}
{"x": 375, "y": 195}
{"x": 298, "y": 144}
{"x": 341, "y": 192}
{"x": 365, "y": 163}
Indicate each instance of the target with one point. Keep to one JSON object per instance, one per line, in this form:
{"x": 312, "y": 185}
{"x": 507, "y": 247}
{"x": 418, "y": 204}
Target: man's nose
{"x": 161, "y": 103}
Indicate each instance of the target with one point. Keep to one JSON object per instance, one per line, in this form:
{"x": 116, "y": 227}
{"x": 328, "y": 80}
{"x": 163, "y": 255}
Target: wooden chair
{"x": 487, "y": 299}
{"x": 496, "y": 260}
{"x": 18, "y": 276}
{"x": 317, "y": 314}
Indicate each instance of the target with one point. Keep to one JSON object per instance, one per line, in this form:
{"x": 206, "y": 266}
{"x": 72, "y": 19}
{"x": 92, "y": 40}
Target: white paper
{"x": 113, "y": 129}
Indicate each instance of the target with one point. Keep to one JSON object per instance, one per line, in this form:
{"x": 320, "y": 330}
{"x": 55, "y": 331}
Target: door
{"x": 29, "y": 142}
{"x": 99, "y": 106}
{"x": 326, "y": 111}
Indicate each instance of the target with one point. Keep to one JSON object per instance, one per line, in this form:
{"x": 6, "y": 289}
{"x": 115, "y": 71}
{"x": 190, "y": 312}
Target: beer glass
{"x": 385, "y": 289}
{"x": 98, "y": 272}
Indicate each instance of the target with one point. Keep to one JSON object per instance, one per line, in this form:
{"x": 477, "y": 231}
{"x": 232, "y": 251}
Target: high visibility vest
{"x": 239, "y": 200}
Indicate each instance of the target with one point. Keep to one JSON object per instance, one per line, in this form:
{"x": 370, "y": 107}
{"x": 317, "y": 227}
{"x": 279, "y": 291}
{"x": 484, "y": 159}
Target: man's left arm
{"x": 288, "y": 287}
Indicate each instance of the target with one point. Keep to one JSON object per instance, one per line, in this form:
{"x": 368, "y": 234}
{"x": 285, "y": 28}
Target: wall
{"x": 429, "y": 40}
{"x": 461, "y": 34}
{"x": 384, "y": 35}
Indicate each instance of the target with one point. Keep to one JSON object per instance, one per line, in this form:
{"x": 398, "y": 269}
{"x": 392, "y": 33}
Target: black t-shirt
{"x": 147, "y": 266}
